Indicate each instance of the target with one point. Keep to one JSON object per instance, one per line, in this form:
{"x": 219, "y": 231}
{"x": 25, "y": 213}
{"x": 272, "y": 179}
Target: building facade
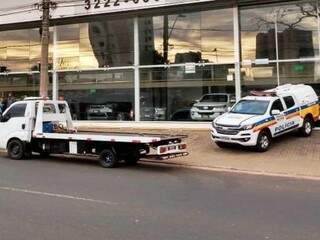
{"x": 155, "y": 63}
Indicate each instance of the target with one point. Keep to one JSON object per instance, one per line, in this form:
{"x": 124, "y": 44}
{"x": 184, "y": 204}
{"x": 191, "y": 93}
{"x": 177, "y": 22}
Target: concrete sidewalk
{"x": 290, "y": 155}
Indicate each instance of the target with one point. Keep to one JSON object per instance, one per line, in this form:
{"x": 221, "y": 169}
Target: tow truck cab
{"x": 258, "y": 118}
{"x": 45, "y": 127}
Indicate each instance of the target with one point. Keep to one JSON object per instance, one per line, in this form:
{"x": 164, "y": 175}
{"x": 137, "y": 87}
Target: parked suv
{"x": 110, "y": 111}
{"x": 99, "y": 112}
{"x": 258, "y": 118}
{"x": 211, "y": 106}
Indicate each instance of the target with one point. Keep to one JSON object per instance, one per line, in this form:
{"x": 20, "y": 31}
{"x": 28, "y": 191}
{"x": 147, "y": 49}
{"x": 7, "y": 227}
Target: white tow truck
{"x": 45, "y": 127}
{"x": 264, "y": 115}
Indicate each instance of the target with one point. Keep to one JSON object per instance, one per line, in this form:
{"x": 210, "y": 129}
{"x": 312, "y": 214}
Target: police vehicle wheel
{"x": 263, "y": 142}
{"x": 108, "y": 158}
{"x": 307, "y": 127}
{"x": 16, "y": 149}
{"x": 223, "y": 144}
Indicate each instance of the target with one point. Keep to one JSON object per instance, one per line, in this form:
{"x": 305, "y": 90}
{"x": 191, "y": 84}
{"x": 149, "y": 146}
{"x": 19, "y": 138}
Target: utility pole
{"x": 45, "y": 36}
{"x": 166, "y": 38}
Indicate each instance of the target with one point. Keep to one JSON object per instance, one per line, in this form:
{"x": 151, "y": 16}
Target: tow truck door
{"x": 14, "y": 124}
{"x": 280, "y": 120}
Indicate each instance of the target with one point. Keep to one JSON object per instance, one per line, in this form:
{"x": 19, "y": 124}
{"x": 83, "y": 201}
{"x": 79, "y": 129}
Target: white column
{"x": 237, "y": 56}
{"x": 55, "y": 85}
{"x": 136, "y": 70}
{"x": 277, "y": 46}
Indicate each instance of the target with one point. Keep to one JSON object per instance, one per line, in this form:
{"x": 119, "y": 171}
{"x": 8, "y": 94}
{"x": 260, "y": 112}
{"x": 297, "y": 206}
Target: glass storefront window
{"x": 20, "y": 86}
{"x": 258, "y": 33}
{"x": 173, "y": 94}
{"x": 20, "y": 50}
{"x": 297, "y": 40}
{"x": 99, "y": 95}
{"x": 205, "y": 36}
{"x": 300, "y": 73}
{"x": 68, "y": 47}
{"x": 99, "y": 44}
{"x": 258, "y": 77}
{"x": 297, "y": 35}
{"x": 298, "y": 31}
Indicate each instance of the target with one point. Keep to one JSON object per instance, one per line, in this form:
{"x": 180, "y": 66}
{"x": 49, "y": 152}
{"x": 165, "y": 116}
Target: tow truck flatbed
{"x": 111, "y": 137}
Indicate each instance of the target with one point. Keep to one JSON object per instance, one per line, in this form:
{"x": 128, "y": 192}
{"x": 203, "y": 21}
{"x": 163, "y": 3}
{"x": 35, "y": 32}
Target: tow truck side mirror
{"x": 275, "y": 112}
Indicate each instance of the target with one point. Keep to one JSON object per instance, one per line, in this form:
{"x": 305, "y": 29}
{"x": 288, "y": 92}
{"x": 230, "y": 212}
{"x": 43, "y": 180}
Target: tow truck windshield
{"x": 251, "y": 107}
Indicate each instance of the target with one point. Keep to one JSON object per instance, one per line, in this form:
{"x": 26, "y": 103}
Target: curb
{"x": 237, "y": 171}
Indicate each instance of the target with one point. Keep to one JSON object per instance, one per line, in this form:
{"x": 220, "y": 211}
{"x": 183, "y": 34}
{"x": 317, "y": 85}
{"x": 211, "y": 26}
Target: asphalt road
{"x": 76, "y": 199}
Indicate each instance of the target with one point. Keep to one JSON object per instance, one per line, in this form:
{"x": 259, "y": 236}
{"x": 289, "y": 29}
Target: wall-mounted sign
{"x": 17, "y": 13}
{"x": 190, "y": 68}
{"x": 95, "y": 6}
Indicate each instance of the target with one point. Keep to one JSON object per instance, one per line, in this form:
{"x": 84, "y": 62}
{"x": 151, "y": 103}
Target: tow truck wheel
{"x": 263, "y": 142}
{"x": 16, "y": 149}
{"x": 108, "y": 158}
{"x": 307, "y": 127}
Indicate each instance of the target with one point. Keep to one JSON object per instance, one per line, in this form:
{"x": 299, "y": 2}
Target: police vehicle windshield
{"x": 251, "y": 107}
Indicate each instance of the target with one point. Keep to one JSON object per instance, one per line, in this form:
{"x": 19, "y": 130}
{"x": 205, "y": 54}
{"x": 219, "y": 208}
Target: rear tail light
{"x": 183, "y": 146}
{"x": 163, "y": 149}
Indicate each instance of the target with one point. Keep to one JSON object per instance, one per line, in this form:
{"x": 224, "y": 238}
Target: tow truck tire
{"x": 307, "y": 127}
{"x": 16, "y": 149}
{"x": 263, "y": 142}
{"x": 108, "y": 158}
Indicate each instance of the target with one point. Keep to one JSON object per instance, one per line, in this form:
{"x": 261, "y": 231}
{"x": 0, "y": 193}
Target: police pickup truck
{"x": 258, "y": 118}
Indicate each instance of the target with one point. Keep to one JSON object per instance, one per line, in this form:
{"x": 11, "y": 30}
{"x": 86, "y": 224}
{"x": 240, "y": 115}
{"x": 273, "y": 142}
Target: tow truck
{"x": 264, "y": 115}
{"x": 43, "y": 126}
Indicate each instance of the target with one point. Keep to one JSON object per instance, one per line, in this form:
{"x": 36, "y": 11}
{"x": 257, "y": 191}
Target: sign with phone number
{"x": 118, "y": 5}
{"x": 98, "y": 4}
{"x": 92, "y": 7}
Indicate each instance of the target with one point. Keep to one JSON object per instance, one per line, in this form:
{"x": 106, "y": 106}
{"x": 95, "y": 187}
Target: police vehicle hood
{"x": 210, "y": 104}
{"x": 234, "y": 119}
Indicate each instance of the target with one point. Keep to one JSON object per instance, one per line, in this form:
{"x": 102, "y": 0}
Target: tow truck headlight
{"x": 247, "y": 127}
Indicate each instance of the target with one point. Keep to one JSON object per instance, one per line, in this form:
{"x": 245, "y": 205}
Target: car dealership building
{"x": 152, "y": 60}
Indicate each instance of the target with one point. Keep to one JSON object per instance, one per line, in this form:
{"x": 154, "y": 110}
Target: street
{"x": 76, "y": 199}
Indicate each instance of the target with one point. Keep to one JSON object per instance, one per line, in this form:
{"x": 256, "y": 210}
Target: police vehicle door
{"x": 279, "y": 127}
{"x": 292, "y": 113}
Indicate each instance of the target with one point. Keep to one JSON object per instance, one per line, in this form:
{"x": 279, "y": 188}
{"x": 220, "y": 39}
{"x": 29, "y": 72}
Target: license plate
{"x": 172, "y": 148}
{"x": 225, "y": 138}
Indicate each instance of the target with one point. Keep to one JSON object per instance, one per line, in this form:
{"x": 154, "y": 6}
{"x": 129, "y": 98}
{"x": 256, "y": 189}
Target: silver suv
{"x": 211, "y": 106}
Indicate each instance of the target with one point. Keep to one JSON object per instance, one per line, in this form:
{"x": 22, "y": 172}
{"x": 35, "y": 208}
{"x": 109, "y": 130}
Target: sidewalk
{"x": 289, "y": 155}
